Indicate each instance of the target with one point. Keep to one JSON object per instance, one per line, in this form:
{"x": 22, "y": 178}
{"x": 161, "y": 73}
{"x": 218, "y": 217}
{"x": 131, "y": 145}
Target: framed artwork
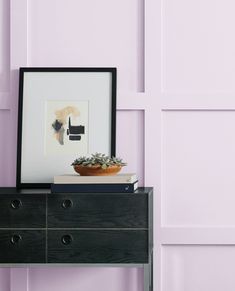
{"x": 63, "y": 113}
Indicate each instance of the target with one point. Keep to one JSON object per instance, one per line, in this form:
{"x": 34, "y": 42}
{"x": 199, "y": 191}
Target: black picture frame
{"x": 23, "y": 71}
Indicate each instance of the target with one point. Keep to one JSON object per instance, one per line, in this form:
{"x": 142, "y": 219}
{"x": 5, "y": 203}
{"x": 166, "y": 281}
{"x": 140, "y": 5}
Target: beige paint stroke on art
{"x": 61, "y": 116}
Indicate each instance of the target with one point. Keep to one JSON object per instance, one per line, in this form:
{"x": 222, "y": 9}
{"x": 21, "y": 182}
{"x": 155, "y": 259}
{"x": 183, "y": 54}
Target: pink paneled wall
{"x": 5, "y": 278}
{"x": 175, "y": 125}
{"x": 73, "y": 33}
{"x": 87, "y": 279}
{"x": 89, "y": 33}
{"x": 130, "y": 141}
{"x": 7, "y": 175}
{"x": 5, "y": 46}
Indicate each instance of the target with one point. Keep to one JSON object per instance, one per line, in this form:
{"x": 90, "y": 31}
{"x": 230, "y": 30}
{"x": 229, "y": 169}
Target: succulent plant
{"x": 98, "y": 159}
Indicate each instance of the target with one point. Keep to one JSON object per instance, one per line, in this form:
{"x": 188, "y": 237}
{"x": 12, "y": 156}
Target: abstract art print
{"x": 63, "y": 113}
{"x": 66, "y": 127}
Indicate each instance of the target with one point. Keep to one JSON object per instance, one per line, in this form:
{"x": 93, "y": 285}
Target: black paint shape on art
{"x": 57, "y": 125}
{"x": 75, "y": 137}
{"x": 74, "y": 131}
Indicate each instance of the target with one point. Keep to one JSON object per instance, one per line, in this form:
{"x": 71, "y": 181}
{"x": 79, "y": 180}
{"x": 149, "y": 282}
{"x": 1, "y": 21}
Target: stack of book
{"x": 126, "y": 183}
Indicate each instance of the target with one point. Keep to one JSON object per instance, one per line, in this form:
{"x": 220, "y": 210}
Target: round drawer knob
{"x": 67, "y": 239}
{"x": 15, "y": 239}
{"x": 67, "y": 203}
{"x": 15, "y": 204}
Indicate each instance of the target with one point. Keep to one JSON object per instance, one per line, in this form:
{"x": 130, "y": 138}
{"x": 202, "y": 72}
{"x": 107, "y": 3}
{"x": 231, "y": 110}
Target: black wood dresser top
{"x": 38, "y": 227}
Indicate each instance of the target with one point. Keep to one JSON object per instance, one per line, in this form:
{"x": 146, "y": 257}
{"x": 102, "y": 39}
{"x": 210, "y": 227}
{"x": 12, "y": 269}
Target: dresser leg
{"x": 151, "y": 272}
{"x": 148, "y": 275}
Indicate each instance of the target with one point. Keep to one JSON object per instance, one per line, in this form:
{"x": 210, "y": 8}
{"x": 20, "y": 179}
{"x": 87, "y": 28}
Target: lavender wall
{"x": 176, "y": 124}
{"x": 72, "y": 33}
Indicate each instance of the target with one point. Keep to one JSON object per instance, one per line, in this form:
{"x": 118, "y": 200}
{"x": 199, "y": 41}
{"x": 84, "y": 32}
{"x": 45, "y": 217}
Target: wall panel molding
{"x": 197, "y": 67}
{"x": 216, "y": 101}
{"x": 202, "y": 60}
{"x": 99, "y": 34}
{"x": 4, "y": 53}
{"x": 197, "y": 267}
{"x": 198, "y": 235}
{"x": 19, "y": 45}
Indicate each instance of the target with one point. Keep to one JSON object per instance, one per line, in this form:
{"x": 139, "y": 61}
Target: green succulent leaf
{"x": 98, "y": 159}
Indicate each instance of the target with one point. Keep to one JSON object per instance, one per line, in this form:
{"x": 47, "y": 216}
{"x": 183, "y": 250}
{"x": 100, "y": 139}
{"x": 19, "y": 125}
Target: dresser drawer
{"x": 98, "y": 210}
{"x": 97, "y": 246}
{"x": 25, "y": 211}
{"x": 22, "y": 246}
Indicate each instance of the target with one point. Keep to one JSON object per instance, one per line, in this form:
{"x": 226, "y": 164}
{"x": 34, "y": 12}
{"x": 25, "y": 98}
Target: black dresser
{"x": 37, "y": 227}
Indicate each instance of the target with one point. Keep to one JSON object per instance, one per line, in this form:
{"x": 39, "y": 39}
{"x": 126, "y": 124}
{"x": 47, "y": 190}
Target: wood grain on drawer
{"x": 22, "y": 246}
{"x": 98, "y": 210}
{"x": 24, "y": 211}
{"x": 97, "y": 246}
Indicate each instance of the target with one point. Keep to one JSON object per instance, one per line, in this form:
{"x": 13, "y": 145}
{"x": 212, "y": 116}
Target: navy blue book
{"x": 94, "y": 188}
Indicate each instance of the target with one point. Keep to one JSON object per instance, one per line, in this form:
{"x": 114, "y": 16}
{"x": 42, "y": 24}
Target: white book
{"x": 114, "y": 179}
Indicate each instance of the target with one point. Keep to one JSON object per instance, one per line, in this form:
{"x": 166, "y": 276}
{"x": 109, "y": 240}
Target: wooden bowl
{"x": 96, "y": 170}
